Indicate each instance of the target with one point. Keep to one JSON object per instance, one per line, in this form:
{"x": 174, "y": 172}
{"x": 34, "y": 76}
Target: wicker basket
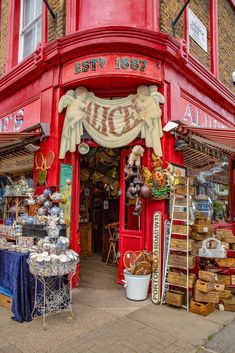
{"x": 180, "y": 261}
{"x": 223, "y": 279}
{"x": 200, "y": 308}
{"x": 201, "y": 228}
{"x": 181, "y": 244}
{"x": 228, "y": 262}
{"x": 180, "y": 279}
{"x": 207, "y": 276}
{"x": 179, "y": 229}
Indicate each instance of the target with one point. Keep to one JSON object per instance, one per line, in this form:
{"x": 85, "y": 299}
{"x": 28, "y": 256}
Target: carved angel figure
{"x": 75, "y": 102}
{"x": 149, "y": 99}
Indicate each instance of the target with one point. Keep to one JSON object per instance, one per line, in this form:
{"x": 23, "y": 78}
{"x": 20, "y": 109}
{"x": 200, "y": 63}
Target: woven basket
{"x": 204, "y": 287}
{"x": 183, "y": 180}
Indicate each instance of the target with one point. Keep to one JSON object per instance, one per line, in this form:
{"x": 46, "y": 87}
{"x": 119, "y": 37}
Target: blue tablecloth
{"x": 15, "y": 277}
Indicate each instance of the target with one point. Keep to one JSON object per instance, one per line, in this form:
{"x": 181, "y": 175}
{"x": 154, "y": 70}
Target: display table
{"x": 16, "y": 278}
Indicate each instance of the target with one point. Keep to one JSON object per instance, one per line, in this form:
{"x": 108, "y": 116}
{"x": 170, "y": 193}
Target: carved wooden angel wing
{"x": 66, "y": 100}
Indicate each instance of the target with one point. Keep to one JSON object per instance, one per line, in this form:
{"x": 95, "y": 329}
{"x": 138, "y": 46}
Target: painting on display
{"x": 66, "y": 175}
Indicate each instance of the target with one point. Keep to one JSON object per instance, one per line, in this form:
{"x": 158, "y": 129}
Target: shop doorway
{"x": 100, "y": 203}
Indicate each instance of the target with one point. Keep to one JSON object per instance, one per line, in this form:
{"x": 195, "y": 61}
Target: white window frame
{"x": 22, "y": 31}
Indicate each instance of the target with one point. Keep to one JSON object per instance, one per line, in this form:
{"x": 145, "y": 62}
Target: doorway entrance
{"x": 99, "y": 203}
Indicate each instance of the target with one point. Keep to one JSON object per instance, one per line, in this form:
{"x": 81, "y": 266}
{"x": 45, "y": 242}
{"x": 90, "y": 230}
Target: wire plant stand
{"x": 53, "y": 295}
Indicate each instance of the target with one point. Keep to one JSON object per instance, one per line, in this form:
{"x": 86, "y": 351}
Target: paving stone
{"x": 10, "y": 349}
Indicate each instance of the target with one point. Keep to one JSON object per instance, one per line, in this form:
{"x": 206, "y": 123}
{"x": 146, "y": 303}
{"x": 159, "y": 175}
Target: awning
{"x": 221, "y": 139}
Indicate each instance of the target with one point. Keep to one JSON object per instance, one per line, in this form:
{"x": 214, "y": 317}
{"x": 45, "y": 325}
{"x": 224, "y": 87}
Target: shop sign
{"x": 197, "y": 117}
{"x": 66, "y": 177}
{"x": 22, "y": 118}
{"x": 118, "y": 64}
{"x": 197, "y": 30}
{"x": 111, "y": 123}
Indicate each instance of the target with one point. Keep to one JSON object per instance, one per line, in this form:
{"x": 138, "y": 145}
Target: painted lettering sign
{"x": 197, "y": 30}
{"x": 118, "y": 64}
{"x": 195, "y": 116}
{"x": 22, "y": 118}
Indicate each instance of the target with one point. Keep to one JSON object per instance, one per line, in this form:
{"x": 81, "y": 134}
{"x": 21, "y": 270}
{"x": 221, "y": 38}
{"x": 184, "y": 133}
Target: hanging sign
{"x": 197, "y": 31}
{"x": 66, "y": 176}
{"x": 21, "y": 119}
{"x": 118, "y": 64}
{"x": 112, "y": 123}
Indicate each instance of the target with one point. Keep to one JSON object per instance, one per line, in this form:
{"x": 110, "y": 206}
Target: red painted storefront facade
{"x": 91, "y": 55}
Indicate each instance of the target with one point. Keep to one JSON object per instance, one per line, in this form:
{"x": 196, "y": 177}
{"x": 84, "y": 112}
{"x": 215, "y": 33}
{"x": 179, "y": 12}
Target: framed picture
{"x": 179, "y": 170}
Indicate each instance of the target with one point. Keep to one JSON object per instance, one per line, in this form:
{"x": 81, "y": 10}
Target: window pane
{"x": 39, "y": 32}
{"x": 29, "y": 41}
{"x": 38, "y": 7}
{"x": 28, "y": 14}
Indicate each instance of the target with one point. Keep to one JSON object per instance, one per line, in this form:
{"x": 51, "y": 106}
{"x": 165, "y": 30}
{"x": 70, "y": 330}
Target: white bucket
{"x": 136, "y": 286}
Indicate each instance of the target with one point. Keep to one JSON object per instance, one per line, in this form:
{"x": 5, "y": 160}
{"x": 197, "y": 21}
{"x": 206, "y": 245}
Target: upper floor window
{"x": 30, "y": 26}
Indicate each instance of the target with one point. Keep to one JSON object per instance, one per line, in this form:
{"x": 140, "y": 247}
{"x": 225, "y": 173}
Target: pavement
{"x": 105, "y": 321}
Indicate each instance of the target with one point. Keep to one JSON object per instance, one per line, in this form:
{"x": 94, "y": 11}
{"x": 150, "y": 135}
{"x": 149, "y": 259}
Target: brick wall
{"x": 3, "y": 35}
{"x": 56, "y": 29}
{"x": 202, "y": 10}
{"x": 226, "y": 35}
{"x": 169, "y": 10}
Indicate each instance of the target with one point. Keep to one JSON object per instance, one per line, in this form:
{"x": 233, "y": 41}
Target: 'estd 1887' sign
{"x": 112, "y": 65}
{"x": 124, "y": 63}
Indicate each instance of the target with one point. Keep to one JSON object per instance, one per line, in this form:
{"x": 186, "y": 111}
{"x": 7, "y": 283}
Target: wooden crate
{"x": 229, "y": 239}
{"x": 228, "y": 262}
{"x": 180, "y": 279}
{"x": 182, "y": 190}
{"x": 204, "y": 287}
{"x": 232, "y": 278}
{"x": 219, "y": 287}
{"x": 200, "y": 228}
{"x": 183, "y": 180}
{"x": 200, "y": 308}
{"x": 175, "y": 298}
{"x": 199, "y": 236}
{"x": 196, "y": 246}
{"x": 180, "y": 261}
{"x": 180, "y": 215}
{"x": 183, "y": 202}
{"x": 225, "y": 294}
{"x": 224, "y": 231}
{"x": 181, "y": 244}
{"x": 200, "y": 215}
{"x": 223, "y": 279}
{"x": 207, "y": 276}
{"x": 5, "y": 301}
{"x": 203, "y": 222}
{"x": 229, "y": 304}
{"x": 179, "y": 229}
{"x": 211, "y": 297}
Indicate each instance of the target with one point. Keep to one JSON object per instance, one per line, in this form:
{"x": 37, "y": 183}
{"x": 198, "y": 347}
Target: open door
{"x": 132, "y": 228}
